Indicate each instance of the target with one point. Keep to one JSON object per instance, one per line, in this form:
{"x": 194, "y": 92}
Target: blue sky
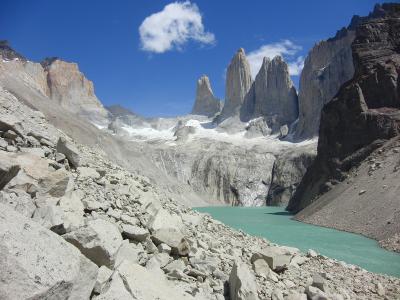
{"x": 154, "y": 71}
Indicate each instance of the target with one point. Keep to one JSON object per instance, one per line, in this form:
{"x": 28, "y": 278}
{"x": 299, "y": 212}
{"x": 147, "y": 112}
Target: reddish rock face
{"x": 366, "y": 109}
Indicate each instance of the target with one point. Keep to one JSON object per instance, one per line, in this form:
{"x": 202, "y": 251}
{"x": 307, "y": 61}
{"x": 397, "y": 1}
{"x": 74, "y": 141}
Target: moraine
{"x": 276, "y": 225}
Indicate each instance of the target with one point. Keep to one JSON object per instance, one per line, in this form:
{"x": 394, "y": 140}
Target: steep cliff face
{"x": 73, "y": 91}
{"x": 238, "y": 82}
{"x": 272, "y": 95}
{"x": 205, "y": 104}
{"x": 364, "y": 114}
{"x": 328, "y": 65}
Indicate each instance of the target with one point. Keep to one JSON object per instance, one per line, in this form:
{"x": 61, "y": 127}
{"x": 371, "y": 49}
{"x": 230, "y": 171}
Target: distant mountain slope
{"x": 363, "y": 115}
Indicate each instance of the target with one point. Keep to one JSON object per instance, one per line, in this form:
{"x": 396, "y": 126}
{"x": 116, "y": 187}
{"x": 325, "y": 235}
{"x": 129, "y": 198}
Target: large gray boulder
{"x": 70, "y": 151}
{"x": 242, "y": 283}
{"x": 140, "y": 282}
{"x": 278, "y": 258}
{"x": 205, "y": 103}
{"x": 36, "y": 263}
{"x": 99, "y": 241}
{"x": 238, "y": 82}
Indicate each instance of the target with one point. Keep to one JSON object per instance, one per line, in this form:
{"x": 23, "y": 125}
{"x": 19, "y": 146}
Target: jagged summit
{"x": 8, "y": 53}
{"x": 205, "y": 103}
{"x": 272, "y": 95}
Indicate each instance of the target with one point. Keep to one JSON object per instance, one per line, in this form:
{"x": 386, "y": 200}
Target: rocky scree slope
{"x": 354, "y": 133}
{"x": 76, "y": 226}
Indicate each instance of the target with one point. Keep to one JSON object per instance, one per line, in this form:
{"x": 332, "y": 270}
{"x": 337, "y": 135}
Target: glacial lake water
{"x": 276, "y": 225}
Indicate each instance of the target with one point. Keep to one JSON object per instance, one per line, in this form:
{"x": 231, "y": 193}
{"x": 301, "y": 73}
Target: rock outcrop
{"x": 73, "y": 91}
{"x": 273, "y": 96}
{"x": 328, "y": 65}
{"x": 238, "y": 83}
{"x": 364, "y": 114}
{"x": 205, "y": 103}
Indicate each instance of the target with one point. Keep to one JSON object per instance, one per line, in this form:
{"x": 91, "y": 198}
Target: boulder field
{"x": 74, "y": 225}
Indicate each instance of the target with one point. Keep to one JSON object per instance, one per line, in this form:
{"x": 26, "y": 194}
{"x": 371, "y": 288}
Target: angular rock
{"x": 173, "y": 238}
{"x": 85, "y": 173}
{"x": 73, "y": 209}
{"x": 242, "y": 283}
{"x": 277, "y": 258}
{"x": 70, "y": 151}
{"x": 38, "y": 264}
{"x": 140, "y": 283}
{"x": 135, "y": 233}
{"x": 50, "y": 217}
{"x": 261, "y": 267}
{"x": 8, "y": 169}
{"x": 128, "y": 251}
{"x": 20, "y": 201}
{"x": 103, "y": 276}
{"x": 99, "y": 240}
{"x": 56, "y": 184}
{"x": 114, "y": 290}
{"x": 205, "y": 103}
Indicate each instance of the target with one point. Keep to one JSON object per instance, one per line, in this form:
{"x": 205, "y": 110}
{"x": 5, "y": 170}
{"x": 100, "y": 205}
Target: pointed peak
{"x": 278, "y": 58}
{"x": 266, "y": 60}
{"x": 241, "y": 50}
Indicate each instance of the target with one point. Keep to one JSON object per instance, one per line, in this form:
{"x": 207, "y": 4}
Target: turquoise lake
{"x": 276, "y": 225}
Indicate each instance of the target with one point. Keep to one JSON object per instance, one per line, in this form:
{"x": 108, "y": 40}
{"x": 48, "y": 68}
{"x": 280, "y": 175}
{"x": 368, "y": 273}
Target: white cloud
{"x": 172, "y": 27}
{"x": 286, "y": 48}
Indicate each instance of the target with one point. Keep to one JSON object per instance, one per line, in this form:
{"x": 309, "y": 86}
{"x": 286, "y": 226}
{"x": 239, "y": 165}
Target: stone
{"x": 85, "y": 173}
{"x": 50, "y": 217}
{"x": 164, "y": 248}
{"x": 73, "y": 209}
{"x": 205, "y": 103}
{"x": 56, "y": 184}
{"x": 11, "y": 135}
{"x": 277, "y": 295}
{"x": 99, "y": 240}
{"x": 284, "y": 131}
{"x": 159, "y": 260}
{"x": 177, "y": 264}
{"x": 315, "y": 293}
{"x": 20, "y": 201}
{"x": 140, "y": 282}
{"x": 277, "y": 258}
{"x": 8, "y": 169}
{"x": 114, "y": 290}
{"x": 319, "y": 282}
{"x": 70, "y": 151}
{"x": 238, "y": 82}
{"x": 128, "y": 251}
{"x": 38, "y": 264}
{"x": 242, "y": 283}
{"x": 136, "y": 233}
{"x": 60, "y": 157}
{"x": 296, "y": 296}
{"x": 312, "y": 253}
{"x": 103, "y": 275}
{"x": 261, "y": 267}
